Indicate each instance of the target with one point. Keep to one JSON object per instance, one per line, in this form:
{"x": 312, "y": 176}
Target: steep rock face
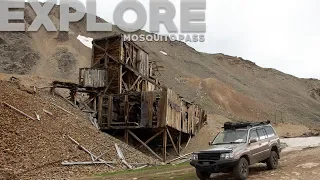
{"x": 265, "y": 93}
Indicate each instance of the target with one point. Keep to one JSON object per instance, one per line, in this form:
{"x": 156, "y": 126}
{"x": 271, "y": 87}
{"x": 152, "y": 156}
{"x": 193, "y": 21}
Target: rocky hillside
{"x": 224, "y": 85}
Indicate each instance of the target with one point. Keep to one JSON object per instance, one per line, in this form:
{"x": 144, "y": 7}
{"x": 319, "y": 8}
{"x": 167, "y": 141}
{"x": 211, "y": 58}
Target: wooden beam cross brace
{"x": 173, "y": 144}
{"x": 146, "y": 146}
{"x": 152, "y": 138}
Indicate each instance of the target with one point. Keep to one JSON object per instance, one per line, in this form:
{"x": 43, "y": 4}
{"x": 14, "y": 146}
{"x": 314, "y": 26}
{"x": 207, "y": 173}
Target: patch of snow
{"x": 296, "y": 144}
{"x": 164, "y": 53}
{"x": 87, "y": 41}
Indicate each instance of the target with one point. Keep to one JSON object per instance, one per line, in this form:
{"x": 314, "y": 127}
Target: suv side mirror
{"x": 253, "y": 140}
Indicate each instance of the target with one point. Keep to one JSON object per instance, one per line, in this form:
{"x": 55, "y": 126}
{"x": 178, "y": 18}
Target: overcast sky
{"x": 280, "y": 34}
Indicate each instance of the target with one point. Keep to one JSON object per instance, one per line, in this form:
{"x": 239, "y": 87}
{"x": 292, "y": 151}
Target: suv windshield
{"x": 231, "y": 136}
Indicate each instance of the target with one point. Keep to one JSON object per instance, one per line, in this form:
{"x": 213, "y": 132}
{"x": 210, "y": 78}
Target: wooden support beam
{"x": 152, "y": 138}
{"x": 90, "y": 153}
{"x": 134, "y": 71}
{"x": 135, "y": 83}
{"x": 146, "y": 146}
{"x": 125, "y": 86}
{"x": 63, "y": 109}
{"x": 19, "y": 111}
{"x": 188, "y": 142}
{"x": 173, "y": 144}
{"x": 121, "y": 157}
{"x": 126, "y": 108}
{"x": 110, "y": 110}
{"x": 100, "y": 108}
{"x": 179, "y": 142}
{"x": 64, "y": 98}
{"x": 86, "y": 163}
{"x": 126, "y": 136}
{"x": 164, "y": 146}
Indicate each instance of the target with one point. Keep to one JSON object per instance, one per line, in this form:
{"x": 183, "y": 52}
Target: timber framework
{"x": 124, "y": 97}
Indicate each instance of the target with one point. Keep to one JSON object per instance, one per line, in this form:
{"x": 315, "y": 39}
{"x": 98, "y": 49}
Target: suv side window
{"x": 262, "y": 134}
{"x": 253, "y": 134}
{"x": 270, "y": 131}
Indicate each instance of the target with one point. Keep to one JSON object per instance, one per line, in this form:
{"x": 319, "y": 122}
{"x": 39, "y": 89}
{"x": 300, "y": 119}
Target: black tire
{"x": 241, "y": 169}
{"x": 203, "y": 175}
{"x": 273, "y": 160}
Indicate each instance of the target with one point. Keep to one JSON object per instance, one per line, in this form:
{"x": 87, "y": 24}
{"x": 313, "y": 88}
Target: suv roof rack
{"x": 239, "y": 125}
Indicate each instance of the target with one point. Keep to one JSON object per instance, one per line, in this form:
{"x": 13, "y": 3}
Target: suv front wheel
{"x": 203, "y": 175}
{"x": 272, "y": 161}
{"x": 241, "y": 169}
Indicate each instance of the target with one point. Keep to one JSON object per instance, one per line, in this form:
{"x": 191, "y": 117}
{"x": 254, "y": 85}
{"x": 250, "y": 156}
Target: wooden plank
{"x": 146, "y": 146}
{"x": 48, "y": 112}
{"x": 164, "y": 146}
{"x": 63, "y": 109}
{"x": 173, "y": 144}
{"x": 90, "y": 153}
{"x": 19, "y": 111}
{"x": 121, "y": 157}
{"x": 86, "y": 163}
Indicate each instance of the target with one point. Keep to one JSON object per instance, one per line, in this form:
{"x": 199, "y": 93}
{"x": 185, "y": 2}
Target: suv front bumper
{"x": 218, "y": 166}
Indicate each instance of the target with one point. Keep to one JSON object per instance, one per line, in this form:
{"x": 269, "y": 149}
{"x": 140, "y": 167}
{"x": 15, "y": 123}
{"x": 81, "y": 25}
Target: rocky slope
{"x": 224, "y": 85}
{"x": 32, "y": 149}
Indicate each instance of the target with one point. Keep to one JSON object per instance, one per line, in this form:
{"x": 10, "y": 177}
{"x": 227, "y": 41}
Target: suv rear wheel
{"x": 203, "y": 175}
{"x": 272, "y": 161}
{"x": 241, "y": 169}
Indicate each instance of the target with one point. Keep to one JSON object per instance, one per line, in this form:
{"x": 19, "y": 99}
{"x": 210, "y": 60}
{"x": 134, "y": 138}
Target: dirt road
{"x": 299, "y": 165}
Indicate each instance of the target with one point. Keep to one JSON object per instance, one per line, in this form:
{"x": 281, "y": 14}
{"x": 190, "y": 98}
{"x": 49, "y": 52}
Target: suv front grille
{"x": 209, "y": 156}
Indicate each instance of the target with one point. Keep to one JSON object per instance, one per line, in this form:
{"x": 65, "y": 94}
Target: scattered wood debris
{"x": 37, "y": 116}
{"x": 95, "y": 158}
{"x": 63, "y": 109}
{"x": 121, "y": 157}
{"x": 48, "y": 112}
{"x": 21, "y": 112}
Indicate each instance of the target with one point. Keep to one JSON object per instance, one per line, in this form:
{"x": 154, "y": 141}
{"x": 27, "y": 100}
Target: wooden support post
{"x": 95, "y": 104}
{"x": 173, "y": 144}
{"x": 126, "y": 136}
{"x": 152, "y": 138}
{"x": 164, "y": 146}
{"x": 188, "y": 142}
{"x": 120, "y": 79}
{"x": 126, "y": 108}
{"x": 179, "y": 142}
{"x": 100, "y": 109}
{"x": 146, "y": 146}
{"x": 110, "y": 110}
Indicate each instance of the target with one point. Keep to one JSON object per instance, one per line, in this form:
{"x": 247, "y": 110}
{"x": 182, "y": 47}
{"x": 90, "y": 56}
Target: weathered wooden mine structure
{"x": 125, "y": 96}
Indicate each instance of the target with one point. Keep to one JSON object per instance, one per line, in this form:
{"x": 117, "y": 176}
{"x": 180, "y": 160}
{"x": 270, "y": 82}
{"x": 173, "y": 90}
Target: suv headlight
{"x": 194, "y": 157}
{"x": 226, "y": 156}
